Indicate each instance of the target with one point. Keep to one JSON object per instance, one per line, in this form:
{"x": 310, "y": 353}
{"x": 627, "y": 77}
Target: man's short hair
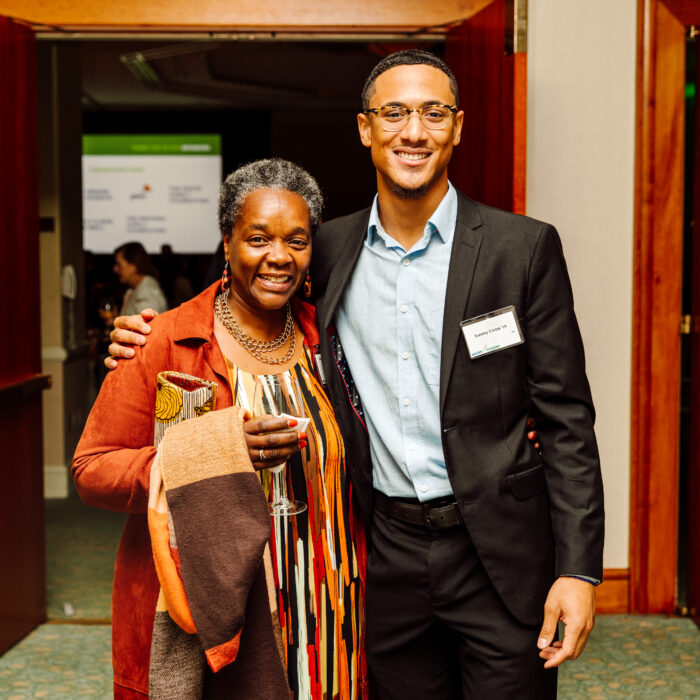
{"x": 408, "y": 57}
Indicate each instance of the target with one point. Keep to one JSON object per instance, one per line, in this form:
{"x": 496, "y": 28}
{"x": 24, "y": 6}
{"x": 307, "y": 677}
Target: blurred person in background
{"x": 134, "y": 268}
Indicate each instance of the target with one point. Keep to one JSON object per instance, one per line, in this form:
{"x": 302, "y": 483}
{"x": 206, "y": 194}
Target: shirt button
{"x": 407, "y": 402}
{"x": 412, "y": 447}
{"x": 405, "y": 355}
{"x": 423, "y": 488}
{"x": 404, "y": 309}
{"x": 406, "y": 262}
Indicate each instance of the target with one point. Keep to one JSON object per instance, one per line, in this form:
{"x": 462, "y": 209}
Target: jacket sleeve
{"x": 112, "y": 462}
{"x": 563, "y": 410}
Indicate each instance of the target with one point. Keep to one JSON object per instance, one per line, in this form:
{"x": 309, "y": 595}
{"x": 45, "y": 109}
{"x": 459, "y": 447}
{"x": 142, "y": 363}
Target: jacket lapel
{"x": 465, "y": 252}
{"x": 342, "y": 268}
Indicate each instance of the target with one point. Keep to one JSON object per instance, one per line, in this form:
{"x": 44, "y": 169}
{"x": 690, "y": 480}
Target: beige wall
{"x": 580, "y": 177}
{"x": 60, "y": 201}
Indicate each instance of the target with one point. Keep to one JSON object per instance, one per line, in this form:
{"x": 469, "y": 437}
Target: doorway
{"x": 688, "y": 602}
{"x": 659, "y": 572}
{"x": 299, "y": 126}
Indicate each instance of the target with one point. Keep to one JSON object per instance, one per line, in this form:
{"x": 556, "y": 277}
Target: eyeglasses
{"x": 395, "y": 118}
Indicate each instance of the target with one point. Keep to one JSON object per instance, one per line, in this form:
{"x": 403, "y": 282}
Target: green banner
{"x": 151, "y": 144}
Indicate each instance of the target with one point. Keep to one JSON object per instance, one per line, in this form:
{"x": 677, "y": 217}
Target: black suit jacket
{"x": 531, "y": 517}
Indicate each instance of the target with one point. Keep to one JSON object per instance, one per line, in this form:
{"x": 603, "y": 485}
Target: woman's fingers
{"x": 268, "y": 424}
{"x": 270, "y": 441}
{"x": 264, "y": 458}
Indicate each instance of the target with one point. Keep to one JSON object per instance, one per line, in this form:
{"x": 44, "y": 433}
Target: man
{"x": 448, "y": 324}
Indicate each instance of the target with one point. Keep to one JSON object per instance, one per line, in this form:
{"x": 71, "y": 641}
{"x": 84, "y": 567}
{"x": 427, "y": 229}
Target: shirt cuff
{"x": 588, "y": 579}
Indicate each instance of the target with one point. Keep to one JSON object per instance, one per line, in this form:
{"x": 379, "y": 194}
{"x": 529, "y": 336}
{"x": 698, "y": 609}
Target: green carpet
{"x": 631, "y": 656}
{"x": 59, "y": 662}
{"x": 81, "y": 547}
{"x": 626, "y": 657}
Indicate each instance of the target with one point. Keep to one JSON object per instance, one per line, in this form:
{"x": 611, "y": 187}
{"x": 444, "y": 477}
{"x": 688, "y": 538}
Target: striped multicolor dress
{"x": 314, "y": 557}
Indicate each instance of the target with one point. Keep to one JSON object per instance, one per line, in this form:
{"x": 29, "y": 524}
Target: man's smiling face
{"x": 413, "y": 161}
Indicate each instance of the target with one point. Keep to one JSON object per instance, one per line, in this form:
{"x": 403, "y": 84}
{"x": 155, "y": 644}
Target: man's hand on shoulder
{"x": 572, "y": 601}
{"x": 128, "y": 331}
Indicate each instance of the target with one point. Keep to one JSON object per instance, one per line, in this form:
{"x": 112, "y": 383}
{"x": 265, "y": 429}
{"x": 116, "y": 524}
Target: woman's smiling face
{"x": 269, "y": 249}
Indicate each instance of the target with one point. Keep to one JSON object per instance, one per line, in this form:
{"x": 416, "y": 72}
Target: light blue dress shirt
{"x": 390, "y": 326}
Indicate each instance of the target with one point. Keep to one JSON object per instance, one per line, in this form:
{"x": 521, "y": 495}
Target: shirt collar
{"x": 442, "y": 221}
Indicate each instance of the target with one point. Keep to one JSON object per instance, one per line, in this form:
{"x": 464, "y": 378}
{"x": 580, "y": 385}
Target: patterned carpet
{"x": 59, "y": 662}
{"x": 631, "y": 656}
{"x": 81, "y": 546}
{"x": 627, "y": 656}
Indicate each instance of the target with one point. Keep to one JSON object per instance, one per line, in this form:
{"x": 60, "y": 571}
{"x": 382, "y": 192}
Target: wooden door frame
{"x": 658, "y": 255}
{"x": 22, "y": 581}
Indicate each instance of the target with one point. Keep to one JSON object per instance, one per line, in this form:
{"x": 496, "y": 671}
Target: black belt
{"x": 433, "y": 517}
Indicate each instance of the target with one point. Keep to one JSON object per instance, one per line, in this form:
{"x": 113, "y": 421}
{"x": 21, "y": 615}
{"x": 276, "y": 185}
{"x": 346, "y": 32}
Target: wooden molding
{"x": 242, "y": 15}
{"x": 13, "y": 392}
{"x": 519, "y": 132}
{"x": 658, "y": 258}
{"x": 613, "y": 595}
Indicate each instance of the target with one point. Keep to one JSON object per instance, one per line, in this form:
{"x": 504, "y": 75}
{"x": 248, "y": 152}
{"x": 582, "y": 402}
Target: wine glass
{"x": 280, "y": 395}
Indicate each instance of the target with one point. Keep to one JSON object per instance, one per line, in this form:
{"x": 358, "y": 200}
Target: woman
{"x": 134, "y": 268}
{"x": 241, "y": 327}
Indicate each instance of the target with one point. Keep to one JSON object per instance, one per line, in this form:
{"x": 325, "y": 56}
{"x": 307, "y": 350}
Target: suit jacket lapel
{"x": 465, "y": 252}
{"x": 342, "y": 268}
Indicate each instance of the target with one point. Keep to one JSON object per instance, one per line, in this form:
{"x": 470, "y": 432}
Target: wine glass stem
{"x": 279, "y": 486}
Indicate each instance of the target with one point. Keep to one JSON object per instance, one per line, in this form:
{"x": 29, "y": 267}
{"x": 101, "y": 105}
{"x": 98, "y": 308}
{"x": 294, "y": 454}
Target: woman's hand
{"x": 270, "y": 441}
{"x": 128, "y": 331}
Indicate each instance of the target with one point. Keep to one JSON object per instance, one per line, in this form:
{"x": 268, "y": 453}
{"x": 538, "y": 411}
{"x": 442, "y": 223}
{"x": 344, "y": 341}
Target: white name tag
{"x": 491, "y": 332}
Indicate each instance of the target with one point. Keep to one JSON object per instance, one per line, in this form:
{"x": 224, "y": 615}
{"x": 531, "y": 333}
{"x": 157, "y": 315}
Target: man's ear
{"x": 459, "y": 121}
{"x": 365, "y": 129}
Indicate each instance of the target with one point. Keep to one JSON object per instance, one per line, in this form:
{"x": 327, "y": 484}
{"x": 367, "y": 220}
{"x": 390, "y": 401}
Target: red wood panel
{"x": 693, "y": 497}
{"x": 22, "y": 583}
{"x": 482, "y": 165}
{"x": 519, "y": 132}
{"x": 686, "y": 11}
{"x": 19, "y": 262}
{"x": 22, "y": 576}
{"x": 612, "y": 596}
{"x": 657, "y": 305}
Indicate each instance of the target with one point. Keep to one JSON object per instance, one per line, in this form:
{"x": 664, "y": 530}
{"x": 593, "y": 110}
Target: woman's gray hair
{"x": 272, "y": 174}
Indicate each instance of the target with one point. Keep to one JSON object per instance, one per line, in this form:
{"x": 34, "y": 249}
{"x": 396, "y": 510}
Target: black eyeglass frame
{"x": 375, "y": 110}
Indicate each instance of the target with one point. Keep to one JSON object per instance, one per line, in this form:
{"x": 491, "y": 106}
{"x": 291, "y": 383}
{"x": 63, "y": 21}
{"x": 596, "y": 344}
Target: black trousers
{"x": 436, "y": 628}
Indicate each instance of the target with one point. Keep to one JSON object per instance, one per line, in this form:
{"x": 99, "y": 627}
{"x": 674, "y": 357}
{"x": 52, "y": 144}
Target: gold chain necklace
{"x": 257, "y": 348}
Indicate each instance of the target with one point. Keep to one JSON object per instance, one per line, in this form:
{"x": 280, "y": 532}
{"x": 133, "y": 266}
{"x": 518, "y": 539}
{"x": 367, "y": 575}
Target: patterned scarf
{"x": 210, "y": 525}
